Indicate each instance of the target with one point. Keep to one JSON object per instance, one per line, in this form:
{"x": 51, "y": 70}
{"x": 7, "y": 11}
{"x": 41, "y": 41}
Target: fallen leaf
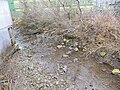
{"x": 116, "y": 71}
{"x": 103, "y": 54}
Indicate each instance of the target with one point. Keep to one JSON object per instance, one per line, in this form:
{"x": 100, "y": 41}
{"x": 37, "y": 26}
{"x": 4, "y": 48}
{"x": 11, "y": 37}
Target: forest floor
{"x": 45, "y": 63}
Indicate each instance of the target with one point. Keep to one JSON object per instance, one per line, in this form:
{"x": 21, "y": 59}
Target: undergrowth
{"x": 94, "y": 28}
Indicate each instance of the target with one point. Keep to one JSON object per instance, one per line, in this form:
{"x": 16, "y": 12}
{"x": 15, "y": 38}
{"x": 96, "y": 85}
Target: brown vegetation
{"x": 94, "y": 29}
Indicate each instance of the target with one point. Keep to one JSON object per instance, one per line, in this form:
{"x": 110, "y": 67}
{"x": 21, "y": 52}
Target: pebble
{"x": 42, "y": 56}
{"x": 29, "y": 56}
{"x": 62, "y": 69}
{"x": 76, "y": 44}
{"x": 20, "y": 48}
{"x": 69, "y": 52}
{"x": 67, "y": 88}
{"x": 1, "y": 77}
{"x": 59, "y": 46}
{"x": 76, "y": 49}
{"x": 65, "y": 55}
{"x": 54, "y": 77}
{"x": 75, "y": 60}
{"x": 70, "y": 48}
{"x": 49, "y": 78}
{"x": 62, "y": 43}
{"x": 57, "y": 82}
{"x": 65, "y": 68}
{"x": 39, "y": 79}
{"x": 62, "y": 80}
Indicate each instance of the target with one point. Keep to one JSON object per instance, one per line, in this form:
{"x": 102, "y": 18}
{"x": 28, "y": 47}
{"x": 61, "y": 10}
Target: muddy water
{"x": 40, "y": 65}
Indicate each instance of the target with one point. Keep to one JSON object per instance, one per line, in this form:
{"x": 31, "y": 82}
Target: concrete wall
{"x": 5, "y": 15}
{"x": 5, "y": 40}
{"x": 5, "y": 24}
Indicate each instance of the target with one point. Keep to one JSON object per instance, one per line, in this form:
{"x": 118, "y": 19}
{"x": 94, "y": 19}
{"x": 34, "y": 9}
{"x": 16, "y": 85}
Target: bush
{"x": 101, "y": 27}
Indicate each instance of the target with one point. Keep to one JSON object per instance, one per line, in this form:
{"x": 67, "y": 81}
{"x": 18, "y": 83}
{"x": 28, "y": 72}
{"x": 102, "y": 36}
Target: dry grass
{"x": 102, "y": 28}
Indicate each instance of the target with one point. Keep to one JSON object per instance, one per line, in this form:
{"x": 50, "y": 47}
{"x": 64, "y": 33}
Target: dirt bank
{"x": 42, "y": 64}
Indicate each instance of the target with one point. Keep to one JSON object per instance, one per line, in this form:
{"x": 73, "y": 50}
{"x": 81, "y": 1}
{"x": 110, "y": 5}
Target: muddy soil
{"x": 40, "y": 65}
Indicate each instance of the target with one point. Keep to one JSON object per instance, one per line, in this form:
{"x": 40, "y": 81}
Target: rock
{"x": 65, "y": 68}
{"x": 66, "y": 40}
{"x": 57, "y": 82}
{"x": 29, "y": 56}
{"x": 104, "y": 70}
{"x": 75, "y": 60}
{"x": 75, "y": 43}
{"x": 70, "y": 48}
{"x": 67, "y": 88}
{"x": 62, "y": 69}
{"x": 69, "y": 52}
{"x": 59, "y": 46}
{"x": 76, "y": 49}
{"x": 3, "y": 82}
{"x": 2, "y": 77}
{"x": 18, "y": 47}
{"x": 39, "y": 79}
{"x": 6, "y": 84}
{"x": 65, "y": 56}
{"x": 61, "y": 80}
{"x": 55, "y": 77}
{"x": 42, "y": 56}
{"x": 71, "y": 87}
{"x": 62, "y": 43}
